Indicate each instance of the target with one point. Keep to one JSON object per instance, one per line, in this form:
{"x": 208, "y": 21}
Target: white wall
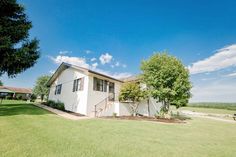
{"x": 84, "y": 102}
{"x": 124, "y": 109}
{"x": 154, "y": 107}
{"x": 73, "y": 101}
{"x": 95, "y": 97}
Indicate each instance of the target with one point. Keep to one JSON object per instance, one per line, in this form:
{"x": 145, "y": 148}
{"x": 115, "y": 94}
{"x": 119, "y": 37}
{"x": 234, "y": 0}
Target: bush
{"x": 60, "y": 106}
{"x": 114, "y": 114}
{"x": 19, "y": 97}
{"x": 57, "y": 105}
{"x": 8, "y": 97}
{"x": 33, "y": 98}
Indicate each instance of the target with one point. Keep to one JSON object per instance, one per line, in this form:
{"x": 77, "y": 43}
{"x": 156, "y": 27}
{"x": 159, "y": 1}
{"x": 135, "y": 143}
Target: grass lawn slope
{"x": 26, "y": 130}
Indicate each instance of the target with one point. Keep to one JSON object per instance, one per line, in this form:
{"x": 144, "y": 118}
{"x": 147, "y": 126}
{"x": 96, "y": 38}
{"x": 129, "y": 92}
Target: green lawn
{"x": 26, "y": 130}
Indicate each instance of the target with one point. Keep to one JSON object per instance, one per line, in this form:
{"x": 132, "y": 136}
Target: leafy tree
{"x": 17, "y": 51}
{"x": 132, "y": 94}
{"x": 41, "y": 88}
{"x": 1, "y": 84}
{"x": 167, "y": 79}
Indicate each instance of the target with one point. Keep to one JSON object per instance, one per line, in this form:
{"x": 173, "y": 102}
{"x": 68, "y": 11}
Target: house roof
{"x": 64, "y": 66}
{"x": 16, "y": 90}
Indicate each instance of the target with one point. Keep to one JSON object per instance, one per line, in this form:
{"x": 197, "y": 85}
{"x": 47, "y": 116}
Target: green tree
{"x": 1, "y": 83}
{"x": 41, "y": 88}
{"x": 132, "y": 94}
{"x": 17, "y": 51}
{"x": 167, "y": 79}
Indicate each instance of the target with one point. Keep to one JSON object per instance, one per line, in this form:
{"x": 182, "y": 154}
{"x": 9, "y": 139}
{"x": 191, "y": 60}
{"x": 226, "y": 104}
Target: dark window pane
{"x": 105, "y": 86}
{"x": 74, "y": 85}
{"x": 95, "y": 83}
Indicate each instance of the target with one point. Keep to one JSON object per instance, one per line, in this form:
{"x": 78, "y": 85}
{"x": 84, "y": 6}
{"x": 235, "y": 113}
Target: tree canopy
{"x": 167, "y": 79}
{"x": 17, "y": 51}
{"x": 132, "y": 94}
{"x": 1, "y": 83}
{"x": 41, "y": 88}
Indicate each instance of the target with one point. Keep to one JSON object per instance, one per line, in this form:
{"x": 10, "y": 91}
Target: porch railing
{"x": 104, "y": 104}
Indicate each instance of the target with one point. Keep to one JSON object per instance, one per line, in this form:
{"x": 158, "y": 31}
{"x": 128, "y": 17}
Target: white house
{"x": 90, "y": 93}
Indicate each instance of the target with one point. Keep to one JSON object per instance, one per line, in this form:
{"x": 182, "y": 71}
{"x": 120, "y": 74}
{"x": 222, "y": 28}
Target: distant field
{"x": 227, "y": 106}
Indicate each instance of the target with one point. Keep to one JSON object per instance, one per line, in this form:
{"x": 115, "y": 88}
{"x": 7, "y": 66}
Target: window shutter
{"x": 81, "y": 84}
{"x": 55, "y": 92}
{"x": 95, "y": 83}
{"x": 74, "y": 86}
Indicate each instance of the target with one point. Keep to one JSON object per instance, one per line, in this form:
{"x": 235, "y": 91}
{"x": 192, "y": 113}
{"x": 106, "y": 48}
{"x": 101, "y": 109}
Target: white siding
{"x": 84, "y": 101}
{"x": 154, "y": 107}
{"x": 95, "y": 97}
{"x": 74, "y": 101}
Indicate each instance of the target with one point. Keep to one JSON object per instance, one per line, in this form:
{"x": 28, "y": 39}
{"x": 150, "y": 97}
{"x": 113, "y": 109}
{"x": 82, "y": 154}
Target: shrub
{"x": 20, "y": 97}
{"x": 60, "y": 106}
{"x": 33, "y": 98}
{"x": 57, "y": 105}
{"x": 114, "y": 114}
{"x": 51, "y": 103}
{"x": 8, "y": 97}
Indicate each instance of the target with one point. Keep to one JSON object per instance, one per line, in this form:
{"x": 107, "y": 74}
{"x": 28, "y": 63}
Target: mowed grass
{"x": 26, "y": 130}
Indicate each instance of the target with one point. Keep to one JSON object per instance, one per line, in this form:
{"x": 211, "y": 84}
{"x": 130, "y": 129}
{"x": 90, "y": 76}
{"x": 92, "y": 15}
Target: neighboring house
{"x": 14, "y": 92}
{"x": 91, "y": 93}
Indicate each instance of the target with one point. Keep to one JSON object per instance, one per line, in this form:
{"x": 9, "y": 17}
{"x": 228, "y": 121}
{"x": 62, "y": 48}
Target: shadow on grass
{"x": 21, "y": 109}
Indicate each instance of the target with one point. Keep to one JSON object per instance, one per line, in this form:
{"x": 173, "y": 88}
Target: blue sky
{"x": 119, "y": 34}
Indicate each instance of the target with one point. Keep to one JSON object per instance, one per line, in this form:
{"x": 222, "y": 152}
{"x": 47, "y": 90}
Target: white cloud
{"x": 93, "y": 59}
{"x": 52, "y": 71}
{"x": 64, "y": 52}
{"x": 231, "y": 75}
{"x": 223, "y": 58}
{"x": 105, "y": 58}
{"x": 114, "y": 75}
{"x": 94, "y": 65}
{"x": 71, "y": 60}
{"x": 88, "y": 51}
{"x": 82, "y": 62}
{"x": 121, "y": 75}
{"x": 124, "y": 65}
{"x": 214, "y": 92}
{"x": 117, "y": 64}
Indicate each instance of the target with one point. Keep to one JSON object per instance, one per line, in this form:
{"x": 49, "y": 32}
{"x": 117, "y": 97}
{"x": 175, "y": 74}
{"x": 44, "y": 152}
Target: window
{"x": 99, "y": 85}
{"x": 58, "y": 89}
{"x": 78, "y": 84}
{"x": 111, "y": 87}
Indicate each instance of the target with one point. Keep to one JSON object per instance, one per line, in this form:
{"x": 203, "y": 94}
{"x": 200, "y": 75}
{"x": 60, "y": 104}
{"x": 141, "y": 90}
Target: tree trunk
{"x": 166, "y": 106}
{"x": 148, "y": 105}
{"x": 42, "y": 96}
{"x": 134, "y": 107}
